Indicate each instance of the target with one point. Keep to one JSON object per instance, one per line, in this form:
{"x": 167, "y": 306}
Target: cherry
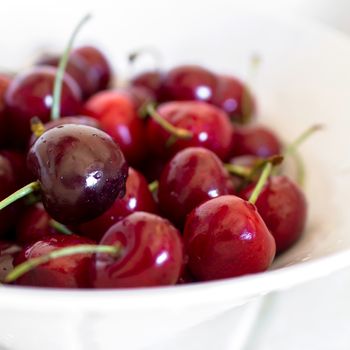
{"x": 81, "y": 171}
{"x": 33, "y": 225}
{"x": 31, "y": 94}
{"x": 8, "y": 250}
{"x": 151, "y": 81}
{"x": 226, "y": 237}
{"x": 97, "y": 67}
{"x": 4, "y": 83}
{"x": 152, "y": 254}
{"x": 209, "y": 127}
{"x": 192, "y": 176}
{"x": 256, "y": 140}
{"x": 66, "y": 272}
{"x": 189, "y": 83}
{"x": 79, "y": 119}
{"x": 234, "y": 98}
{"x": 7, "y": 186}
{"x": 283, "y": 207}
{"x": 139, "y": 96}
{"x": 118, "y": 117}
{"x": 77, "y": 68}
{"x": 137, "y": 198}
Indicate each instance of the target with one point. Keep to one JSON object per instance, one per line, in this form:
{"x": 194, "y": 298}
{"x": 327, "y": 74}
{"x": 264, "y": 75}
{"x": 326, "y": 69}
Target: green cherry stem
{"x": 261, "y": 183}
{"x": 22, "y": 192}
{"x": 238, "y": 170}
{"x": 57, "y": 89}
{"x": 60, "y": 227}
{"x": 179, "y": 133}
{"x": 30, "y": 264}
{"x": 37, "y": 127}
{"x": 153, "y": 186}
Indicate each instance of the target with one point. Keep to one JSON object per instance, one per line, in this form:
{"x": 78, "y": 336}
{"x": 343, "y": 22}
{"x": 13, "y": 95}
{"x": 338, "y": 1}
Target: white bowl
{"x": 304, "y": 79}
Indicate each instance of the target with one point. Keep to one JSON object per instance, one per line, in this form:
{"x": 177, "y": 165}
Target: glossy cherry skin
{"x": 209, "y": 125}
{"x": 77, "y": 68}
{"x": 256, "y": 140}
{"x": 7, "y": 187}
{"x": 118, "y": 118}
{"x": 66, "y": 272}
{"x": 152, "y": 254}
{"x": 19, "y": 166}
{"x": 137, "y": 198}
{"x": 192, "y": 176}
{"x": 226, "y": 237}
{"x": 140, "y": 96}
{"x": 4, "y": 83}
{"x": 8, "y": 250}
{"x": 283, "y": 207}
{"x": 81, "y": 172}
{"x": 151, "y": 80}
{"x": 234, "y": 97}
{"x": 33, "y": 225}
{"x": 30, "y": 94}
{"x": 184, "y": 83}
{"x": 97, "y": 66}
{"x": 79, "y": 119}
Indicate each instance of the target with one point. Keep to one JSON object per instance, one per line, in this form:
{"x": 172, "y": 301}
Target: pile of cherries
{"x": 166, "y": 180}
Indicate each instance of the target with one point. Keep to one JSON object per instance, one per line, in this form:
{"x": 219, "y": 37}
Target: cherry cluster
{"x": 163, "y": 181}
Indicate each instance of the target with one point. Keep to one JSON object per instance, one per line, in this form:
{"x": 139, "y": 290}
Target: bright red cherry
{"x": 256, "y": 140}
{"x": 185, "y": 83}
{"x": 234, "y": 97}
{"x": 33, "y": 225}
{"x": 139, "y": 96}
{"x": 137, "y": 198}
{"x": 192, "y": 176}
{"x": 81, "y": 171}
{"x": 210, "y": 128}
{"x": 97, "y": 66}
{"x": 66, "y": 272}
{"x": 30, "y": 94}
{"x": 118, "y": 117}
{"x": 283, "y": 207}
{"x": 152, "y": 254}
{"x": 226, "y": 237}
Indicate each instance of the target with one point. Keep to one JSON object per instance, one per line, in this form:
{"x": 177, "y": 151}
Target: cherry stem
{"x": 238, "y": 170}
{"x": 37, "y": 126}
{"x": 153, "y": 186}
{"x": 57, "y": 89}
{"x": 179, "y": 133}
{"x": 60, "y": 227}
{"x": 22, "y": 192}
{"x": 30, "y": 264}
{"x": 261, "y": 183}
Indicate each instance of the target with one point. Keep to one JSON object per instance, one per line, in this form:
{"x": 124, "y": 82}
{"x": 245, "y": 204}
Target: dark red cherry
{"x": 96, "y": 64}
{"x": 150, "y": 80}
{"x": 66, "y": 272}
{"x": 152, "y": 254}
{"x": 210, "y": 128}
{"x": 81, "y": 171}
{"x": 33, "y": 225}
{"x": 19, "y": 166}
{"x": 77, "y": 68}
{"x": 256, "y": 140}
{"x": 118, "y": 118}
{"x": 283, "y": 207}
{"x": 137, "y": 198}
{"x": 192, "y": 176}
{"x": 30, "y": 94}
{"x": 226, "y": 237}
{"x": 139, "y": 96}
{"x": 234, "y": 97}
{"x": 189, "y": 83}
{"x": 7, "y": 186}
{"x": 79, "y": 119}
{"x": 4, "y": 83}
{"x": 8, "y": 250}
